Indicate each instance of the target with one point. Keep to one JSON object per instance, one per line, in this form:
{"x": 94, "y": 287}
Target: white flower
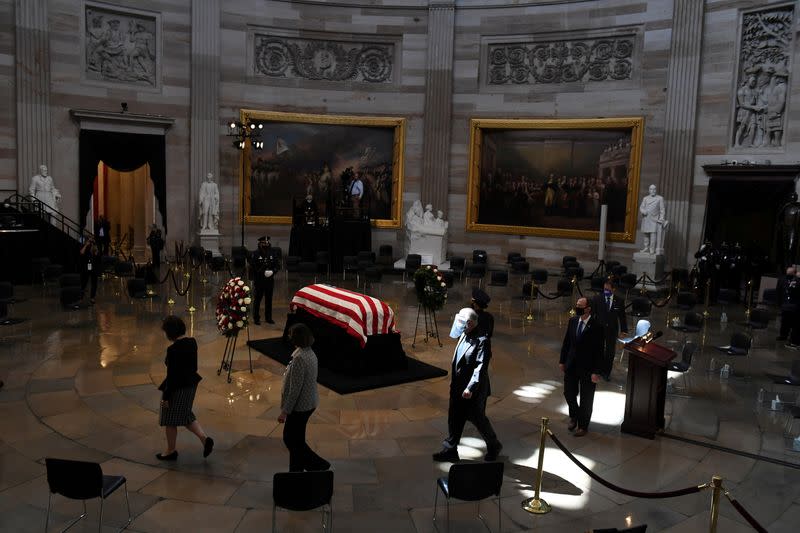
{"x": 230, "y": 325}
{"x": 244, "y": 309}
{"x": 246, "y": 288}
{"x": 247, "y": 301}
{"x": 240, "y": 301}
{"x": 240, "y": 283}
{"x": 239, "y": 324}
{"x": 428, "y": 267}
{"x": 444, "y": 284}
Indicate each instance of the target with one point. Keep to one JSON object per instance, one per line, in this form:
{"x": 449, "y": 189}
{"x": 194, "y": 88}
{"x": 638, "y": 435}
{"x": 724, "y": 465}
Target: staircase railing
{"x": 31, "y": 205}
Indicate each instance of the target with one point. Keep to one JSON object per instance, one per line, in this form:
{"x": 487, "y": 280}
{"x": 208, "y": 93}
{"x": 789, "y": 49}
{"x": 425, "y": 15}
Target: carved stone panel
{"x": 121, "y": 46}
{"x": 321, "y": 59}
{"x": 762, "y": 81}
{"x": 561, "y": 61}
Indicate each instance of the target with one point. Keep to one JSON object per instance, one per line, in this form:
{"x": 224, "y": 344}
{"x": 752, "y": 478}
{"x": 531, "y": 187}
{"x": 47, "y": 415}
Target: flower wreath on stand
{"x": 431, "y": 288}
{"x": 233, "y": 306}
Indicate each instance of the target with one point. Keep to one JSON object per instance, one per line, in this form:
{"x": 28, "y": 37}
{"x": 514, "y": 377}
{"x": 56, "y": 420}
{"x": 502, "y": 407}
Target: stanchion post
{"x": 708, "y": 298}
{"x": 536, "y": 505}
{"x": 716, "y": 485}
{"x": 749, "y": 299}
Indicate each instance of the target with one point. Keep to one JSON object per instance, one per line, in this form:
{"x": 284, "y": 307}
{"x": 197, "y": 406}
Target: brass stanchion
{"x": 536, "y": 505}
{"x": 749, "y": 299}
{"x": 708, "y": 298}
{"x": 189, "y": 299}
{"x": 534, "y": 290}
{"x": 716, "y": 484}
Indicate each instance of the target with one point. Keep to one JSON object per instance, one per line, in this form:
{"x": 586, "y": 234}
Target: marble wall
{"x": 639, "y": 87}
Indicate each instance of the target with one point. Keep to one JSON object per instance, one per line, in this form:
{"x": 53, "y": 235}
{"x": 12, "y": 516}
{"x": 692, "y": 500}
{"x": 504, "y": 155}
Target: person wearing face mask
{"x": 469, "y": 387}
{"x": 609, "y": 309}
{"x": 581, "y": 362}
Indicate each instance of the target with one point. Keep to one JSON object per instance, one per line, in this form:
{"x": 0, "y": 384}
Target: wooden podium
{"x": 646, "y": 388}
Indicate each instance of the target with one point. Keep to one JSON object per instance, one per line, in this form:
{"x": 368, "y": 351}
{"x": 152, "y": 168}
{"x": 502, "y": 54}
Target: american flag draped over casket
{"x": 358, "y": 314}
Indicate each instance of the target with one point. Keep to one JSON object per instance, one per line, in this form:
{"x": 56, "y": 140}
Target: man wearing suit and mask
{"x": 469, "y": 387}
{"x": 609, "y": 309}
{"x": 480, "y": 301}
{"x": 264, "y": 268}
{"x": 581, "y": 362}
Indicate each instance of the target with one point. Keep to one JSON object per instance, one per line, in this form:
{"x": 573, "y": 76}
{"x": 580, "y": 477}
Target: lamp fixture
{"x": 242, "y": 132}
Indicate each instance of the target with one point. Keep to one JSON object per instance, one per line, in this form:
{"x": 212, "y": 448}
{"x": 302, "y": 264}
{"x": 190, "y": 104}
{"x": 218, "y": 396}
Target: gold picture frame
{"x": 528, "y": 196}
{"x": 388, "y": 135}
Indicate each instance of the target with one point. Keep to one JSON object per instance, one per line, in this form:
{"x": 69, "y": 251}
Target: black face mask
{"x": 579, "y": 311}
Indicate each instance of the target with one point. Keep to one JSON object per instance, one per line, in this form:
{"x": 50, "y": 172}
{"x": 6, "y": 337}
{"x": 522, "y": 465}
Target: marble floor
{"x": 82, "y": 385}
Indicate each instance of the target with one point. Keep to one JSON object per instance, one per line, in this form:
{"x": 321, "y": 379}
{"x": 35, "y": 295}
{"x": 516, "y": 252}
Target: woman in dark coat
{"x": 178, "y": 389}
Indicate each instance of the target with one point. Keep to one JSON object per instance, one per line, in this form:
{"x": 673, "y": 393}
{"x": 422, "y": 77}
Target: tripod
{"x": 431, "y": 328}
{"x": 230, "y": 348}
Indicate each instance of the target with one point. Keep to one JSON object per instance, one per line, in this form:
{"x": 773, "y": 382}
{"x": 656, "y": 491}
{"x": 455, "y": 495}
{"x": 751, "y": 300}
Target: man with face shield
{"x": 582, "y": 363}
{"x": 469, "y": 387}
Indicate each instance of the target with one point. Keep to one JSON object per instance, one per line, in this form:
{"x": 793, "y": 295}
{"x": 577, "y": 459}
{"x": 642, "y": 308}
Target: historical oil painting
{"x": 551, "y": 177}
{"x": 322, "y": 156}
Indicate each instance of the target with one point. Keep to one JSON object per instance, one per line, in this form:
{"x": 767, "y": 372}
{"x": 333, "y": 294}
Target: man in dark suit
{"x": 788, "y": 291}
{"x": 609, "y": 310}
{"x": 264, "y": 268}
{"x": 581, "y": 362}
{"x": 469, "y": 387}
{"x": 480, "y": 301}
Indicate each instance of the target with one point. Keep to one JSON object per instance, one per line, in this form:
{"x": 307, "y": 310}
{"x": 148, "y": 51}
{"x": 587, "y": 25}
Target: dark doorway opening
{"x": 745, "y": 210}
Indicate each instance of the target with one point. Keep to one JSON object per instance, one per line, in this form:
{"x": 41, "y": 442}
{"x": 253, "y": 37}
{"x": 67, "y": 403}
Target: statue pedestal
{"x": 432, "y": 248}
{"x": 650, "y": 264}
{"x": 209, "y": 240}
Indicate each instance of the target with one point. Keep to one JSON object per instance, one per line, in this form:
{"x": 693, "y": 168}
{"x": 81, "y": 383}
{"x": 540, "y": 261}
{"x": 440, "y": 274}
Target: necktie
{"x": 580, "y": 327}
{"x": 608, "y": 302}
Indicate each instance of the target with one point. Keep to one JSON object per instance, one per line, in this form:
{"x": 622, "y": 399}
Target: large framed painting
{"x": 550, "y": 177}
{"x": 321, "y": 155}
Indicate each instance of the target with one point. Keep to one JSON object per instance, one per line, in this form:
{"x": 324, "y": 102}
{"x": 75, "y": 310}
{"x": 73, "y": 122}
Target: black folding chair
{"x": 471, "y": 482}
{"x": 685, "y": 363}
{"x": 304, "y": 491}
{"x": 80, "y": 480}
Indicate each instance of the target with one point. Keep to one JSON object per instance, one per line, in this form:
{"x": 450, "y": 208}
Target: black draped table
{"x": 343, "y": 237}
{"x": 305, "y": 241}
{"x": 353, "y": 333}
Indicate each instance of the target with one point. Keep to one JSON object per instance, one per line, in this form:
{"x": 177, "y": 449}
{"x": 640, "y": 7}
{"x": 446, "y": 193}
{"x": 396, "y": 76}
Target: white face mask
{"x": 460, "y": 324}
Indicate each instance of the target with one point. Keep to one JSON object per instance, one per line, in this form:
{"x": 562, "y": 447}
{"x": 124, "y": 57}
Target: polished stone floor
{"x": 82, "y": 385}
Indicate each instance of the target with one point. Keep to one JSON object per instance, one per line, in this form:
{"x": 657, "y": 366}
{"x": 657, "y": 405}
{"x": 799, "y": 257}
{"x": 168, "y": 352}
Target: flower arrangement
{"x": 431, "y": 288}
{"x": 233, "y": 305}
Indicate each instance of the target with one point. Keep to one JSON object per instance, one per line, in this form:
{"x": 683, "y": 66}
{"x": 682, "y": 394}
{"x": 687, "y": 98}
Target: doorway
{"x": 127, "y": 200}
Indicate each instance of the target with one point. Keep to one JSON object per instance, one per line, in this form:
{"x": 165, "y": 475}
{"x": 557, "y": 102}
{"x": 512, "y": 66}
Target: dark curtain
{"x": 123, "y": 152}
{"x": 746, "y": 211}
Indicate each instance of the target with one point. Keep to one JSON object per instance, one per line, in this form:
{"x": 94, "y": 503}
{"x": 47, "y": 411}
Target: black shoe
{"x": 257, "y": 322}
{"x": 581, "y": 432}
{"x": 169, "y": 457}
{"x": 447, "y": 455}
{"x": 493, "y": 452}
{"x": 208, "y": 446}
{"x": 270, "y": 321}
{"x": 573, "y": 423}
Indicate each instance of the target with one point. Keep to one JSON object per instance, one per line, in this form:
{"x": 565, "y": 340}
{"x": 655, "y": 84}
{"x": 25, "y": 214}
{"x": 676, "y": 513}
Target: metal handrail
{"x": 31, "y": 204}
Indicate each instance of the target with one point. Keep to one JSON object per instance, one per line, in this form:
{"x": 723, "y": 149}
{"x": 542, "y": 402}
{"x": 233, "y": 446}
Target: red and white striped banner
{"x": 360, "y": 315}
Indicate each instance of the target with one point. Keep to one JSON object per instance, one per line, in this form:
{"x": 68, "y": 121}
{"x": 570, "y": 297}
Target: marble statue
{"x": 653, "y": 222}
{"x": 209, "y": 205}
{"x": 426, "y": 235}
{"x": 44, "y": 190}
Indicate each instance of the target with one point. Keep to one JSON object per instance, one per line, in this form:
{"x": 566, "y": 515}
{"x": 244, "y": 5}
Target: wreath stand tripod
{"x": 230, "y": 348}
{"x": 431, "y": 328}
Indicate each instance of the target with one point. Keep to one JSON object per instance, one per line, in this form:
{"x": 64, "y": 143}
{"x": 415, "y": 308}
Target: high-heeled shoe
{"x": 169, "y": 457}
{"x": 208, "y": 446}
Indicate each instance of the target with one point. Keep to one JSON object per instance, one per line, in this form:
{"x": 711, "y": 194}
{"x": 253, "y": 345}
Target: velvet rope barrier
{"x": 178, "y": 289}
{"x": 747, "y": 516}
{"x": 621, "y": 490}
{"x": 656, "y": 304}
{"x": 546, "y": 297}
{"x": 660, "y": 281}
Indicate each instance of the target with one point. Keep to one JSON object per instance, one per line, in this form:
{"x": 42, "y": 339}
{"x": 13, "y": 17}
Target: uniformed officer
{"x": 264, "y": 268}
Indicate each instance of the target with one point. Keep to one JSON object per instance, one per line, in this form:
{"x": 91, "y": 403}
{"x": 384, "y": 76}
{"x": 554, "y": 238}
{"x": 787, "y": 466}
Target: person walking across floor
{"x": 299, "y": 400}
{"x": 264, "y": 268}
{"x": 469, "y": 387}
{"x": 178, "y": 389}
{"x": 581, "y": 362}
{"x": 156, "y": 243}
{"x": 609, "y": 309}
{"x": 90, "y": 265}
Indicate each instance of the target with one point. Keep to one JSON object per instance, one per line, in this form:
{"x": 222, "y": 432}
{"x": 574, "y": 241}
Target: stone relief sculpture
{"x": 423, "y": 222}
{"x": 764, "y": 65}
{"x": 563, "y": 61}
{"x": 316, "y": 59}
{"x": 120, "y": 46}
{"x": 209, "y": 205}
{"x": 44, "y": 189}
